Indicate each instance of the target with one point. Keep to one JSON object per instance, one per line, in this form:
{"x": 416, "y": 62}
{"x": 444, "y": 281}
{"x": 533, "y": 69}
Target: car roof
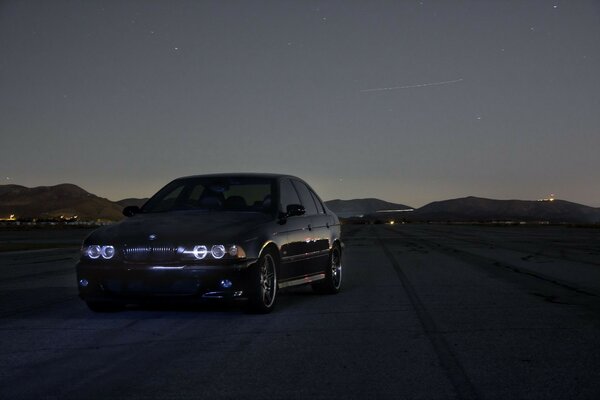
{"x": 242, "y": 174}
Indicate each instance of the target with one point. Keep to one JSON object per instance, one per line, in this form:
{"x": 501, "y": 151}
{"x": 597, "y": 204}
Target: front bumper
{"x": 118, "y": 281}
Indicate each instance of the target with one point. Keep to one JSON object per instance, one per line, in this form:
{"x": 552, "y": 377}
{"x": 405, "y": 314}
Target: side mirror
{"x": 130, "y": 211}
{"x": 295, "y": 209}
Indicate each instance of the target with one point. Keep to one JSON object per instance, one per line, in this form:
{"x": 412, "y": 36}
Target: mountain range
{"x": 486, "y": 210}
{"x": 68, "y": 200}
{"x": 65, "y": 200}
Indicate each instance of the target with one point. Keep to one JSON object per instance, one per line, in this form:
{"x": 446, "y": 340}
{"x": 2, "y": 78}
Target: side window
{"x": 306, "y": 198}
{"x": 196, "y": 192}
{"x": 320, "y": 208}
{"x": 288, "y": 194}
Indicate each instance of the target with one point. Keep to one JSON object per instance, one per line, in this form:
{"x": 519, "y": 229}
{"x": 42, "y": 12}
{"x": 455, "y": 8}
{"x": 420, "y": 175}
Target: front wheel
{"x": 333, "y": 274}
{"x": 263, "y": 291}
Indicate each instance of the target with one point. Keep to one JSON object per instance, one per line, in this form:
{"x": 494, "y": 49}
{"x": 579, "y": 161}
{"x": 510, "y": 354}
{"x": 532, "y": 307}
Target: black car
{"x": 224, "y": 236}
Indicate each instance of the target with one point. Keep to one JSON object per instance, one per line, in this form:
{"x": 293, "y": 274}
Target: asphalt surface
{"x": 426, "y": 312}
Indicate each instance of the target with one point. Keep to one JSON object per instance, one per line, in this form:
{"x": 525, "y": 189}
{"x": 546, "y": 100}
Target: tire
{"x": 333, "y": 273}
{"x": 263, "y": 284}
{"x": 104, "y": 306}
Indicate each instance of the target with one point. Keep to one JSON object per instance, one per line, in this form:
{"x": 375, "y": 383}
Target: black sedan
{"x": 225, "y": 236}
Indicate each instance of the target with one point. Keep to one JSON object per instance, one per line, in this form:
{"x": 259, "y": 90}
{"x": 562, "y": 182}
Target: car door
{"x": 321, "y": 227}
{"x": 313, "y": 236}
{"x": 296, "y": 230}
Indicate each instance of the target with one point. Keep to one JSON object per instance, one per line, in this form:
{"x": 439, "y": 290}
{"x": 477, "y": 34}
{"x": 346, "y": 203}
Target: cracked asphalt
{"x": 426, "y": 312}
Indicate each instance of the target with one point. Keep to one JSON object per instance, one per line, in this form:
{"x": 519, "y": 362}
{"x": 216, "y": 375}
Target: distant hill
{"x": 69, "y": 200}
{"x": 132, "y": 202}
{"x": 53, "y": 201}
{"x": 357, "y": 207}
{"x": 481, "y": 209}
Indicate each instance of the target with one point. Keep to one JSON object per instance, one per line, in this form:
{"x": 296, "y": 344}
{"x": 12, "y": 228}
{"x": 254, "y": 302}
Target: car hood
{"x": 182, "y": 227}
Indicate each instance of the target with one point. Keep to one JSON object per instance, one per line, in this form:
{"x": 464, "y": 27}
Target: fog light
{"x": 226, "y": 283}
{"x": 83, "y": 282}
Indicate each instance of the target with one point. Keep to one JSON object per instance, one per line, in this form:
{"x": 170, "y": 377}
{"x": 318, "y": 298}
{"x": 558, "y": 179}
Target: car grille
{"x": 150, "y": 253}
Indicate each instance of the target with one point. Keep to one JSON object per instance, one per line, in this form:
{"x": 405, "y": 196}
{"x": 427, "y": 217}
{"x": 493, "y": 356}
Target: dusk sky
{"x": 407, "y": 101}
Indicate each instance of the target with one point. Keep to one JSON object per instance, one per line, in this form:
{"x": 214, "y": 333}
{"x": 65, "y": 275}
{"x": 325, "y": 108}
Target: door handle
{"x": 327, "y": 225}
{"x": 309, "y": 227}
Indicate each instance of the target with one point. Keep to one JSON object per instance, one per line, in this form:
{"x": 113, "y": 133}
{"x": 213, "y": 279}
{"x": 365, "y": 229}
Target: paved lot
{"x": 427, "y": 312}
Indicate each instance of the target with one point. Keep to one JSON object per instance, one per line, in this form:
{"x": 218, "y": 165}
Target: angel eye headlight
{"x": 199, "y": 252}
{"x": 214, "y": 252}
{"x": 107, "y": 252}
{"x": 218, "y": 251}
{"x": 93, "y": 252}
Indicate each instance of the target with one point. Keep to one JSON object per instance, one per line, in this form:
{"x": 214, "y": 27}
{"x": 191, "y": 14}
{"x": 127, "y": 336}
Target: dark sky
{"x": 497, "y": 99}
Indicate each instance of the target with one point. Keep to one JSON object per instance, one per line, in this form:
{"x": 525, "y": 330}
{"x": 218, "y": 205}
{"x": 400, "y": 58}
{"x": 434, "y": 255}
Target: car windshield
{"x": 243, "y": 194}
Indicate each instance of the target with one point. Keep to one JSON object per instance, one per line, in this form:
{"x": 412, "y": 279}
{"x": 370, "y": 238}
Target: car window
{"x": 305, "y": 198}
{"x": 218, "y": 194}
{"x": 169, "y": 198}
{"x": 288, "y": 194}
{"x": 252, "y": 194}
{"x": 320, "y": 208}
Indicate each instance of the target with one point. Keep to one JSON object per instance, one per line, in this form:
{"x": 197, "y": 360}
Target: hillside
{"x": 481, "y": 209}
{"x": 53, "y": 201}
{"x": 356, "y": 207}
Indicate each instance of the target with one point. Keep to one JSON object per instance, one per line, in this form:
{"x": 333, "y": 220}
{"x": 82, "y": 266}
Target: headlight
{"x": 199, "y": 252}
{"x": 218, "y": 251}
{"x": 215, "y": 252}
{"x": 107, "y": 252}
{"x": 96, "y": 251}
{"x": 233, "y": 251}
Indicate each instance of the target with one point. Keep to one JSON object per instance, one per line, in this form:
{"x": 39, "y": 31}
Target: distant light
{"x": 549, "y": 198}
{"x": 83, "y": 282}
{"x": 392, "y": 222}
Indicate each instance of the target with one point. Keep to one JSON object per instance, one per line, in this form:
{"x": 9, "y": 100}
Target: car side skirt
{"x": 302, "y": 281}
